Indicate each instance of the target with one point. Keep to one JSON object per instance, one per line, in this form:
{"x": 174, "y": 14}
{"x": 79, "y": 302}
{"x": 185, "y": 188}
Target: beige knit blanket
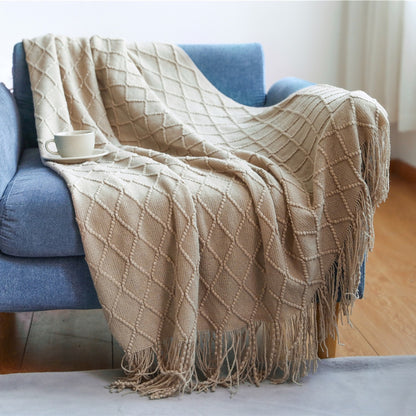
{"x": 215, "y": 233}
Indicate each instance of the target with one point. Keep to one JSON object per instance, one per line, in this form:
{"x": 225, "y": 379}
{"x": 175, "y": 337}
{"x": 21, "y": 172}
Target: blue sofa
{"x": 42, "y": 263}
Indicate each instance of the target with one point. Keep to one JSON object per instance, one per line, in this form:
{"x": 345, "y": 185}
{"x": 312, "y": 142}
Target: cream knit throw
{"x": 215, "y": 233}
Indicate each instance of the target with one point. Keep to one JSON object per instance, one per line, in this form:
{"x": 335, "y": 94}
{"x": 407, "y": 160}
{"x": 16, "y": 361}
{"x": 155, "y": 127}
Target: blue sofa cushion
{"x": 244, "y": 61}
{"x": 37, "y": 284}
{"x": 36, "y": 213}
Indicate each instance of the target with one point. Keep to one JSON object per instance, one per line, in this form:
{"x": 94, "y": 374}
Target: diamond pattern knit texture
{"x": 215, "y": 233}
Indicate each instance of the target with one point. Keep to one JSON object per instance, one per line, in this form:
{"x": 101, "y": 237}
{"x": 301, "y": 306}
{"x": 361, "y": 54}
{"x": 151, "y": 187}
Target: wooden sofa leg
{"x": 331, "y": 343}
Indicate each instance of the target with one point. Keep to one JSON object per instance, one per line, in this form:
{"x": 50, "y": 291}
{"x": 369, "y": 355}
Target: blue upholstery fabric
{"x": 45, "y": 283}
{"x": 36, "y": 213}
{"x": 23, "y": 95}
{"x": 236, "y": 70}
{"x": 283, "y": 88}
{"x": 10, "y": 142}
{"x": 361, "y": 285}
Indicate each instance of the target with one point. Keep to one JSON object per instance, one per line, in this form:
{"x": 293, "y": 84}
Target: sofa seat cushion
{"x": 38, "y": 284}
{"x": 37, "y": 218}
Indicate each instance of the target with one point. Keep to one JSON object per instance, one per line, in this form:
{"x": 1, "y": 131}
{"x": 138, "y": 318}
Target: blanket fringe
{"x": 261, "y": 351}
{"x": 277, "y": 351}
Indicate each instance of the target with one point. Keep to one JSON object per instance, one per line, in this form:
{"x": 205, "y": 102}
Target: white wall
{"x": 299, "y": 38}
{"x": 403, "y": 145}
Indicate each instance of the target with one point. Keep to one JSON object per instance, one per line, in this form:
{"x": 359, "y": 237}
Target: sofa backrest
{"x": 23, "y": 96}
{"x": 237, "y": 70}
{"x": 10, "y": 137}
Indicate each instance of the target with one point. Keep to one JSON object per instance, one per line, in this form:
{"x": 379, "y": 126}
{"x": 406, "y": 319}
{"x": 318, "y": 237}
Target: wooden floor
{"x": 384, "y": 321}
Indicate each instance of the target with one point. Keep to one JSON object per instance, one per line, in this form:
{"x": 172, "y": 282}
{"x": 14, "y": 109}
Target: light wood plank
{"x": 352, "y": 342}
{"x": 389, "y": 329}
{"x": 67, "y": 341}
{"x": 386, "y": 317}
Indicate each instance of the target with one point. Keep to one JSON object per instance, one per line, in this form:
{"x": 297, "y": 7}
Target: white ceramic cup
{"x": 75, "y": 143}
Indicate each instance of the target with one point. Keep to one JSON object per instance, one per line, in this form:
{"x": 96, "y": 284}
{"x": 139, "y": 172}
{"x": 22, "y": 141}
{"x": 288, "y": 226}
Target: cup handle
{"x": 48, "y": 149}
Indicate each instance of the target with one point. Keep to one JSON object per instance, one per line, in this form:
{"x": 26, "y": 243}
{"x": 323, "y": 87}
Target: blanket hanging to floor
{"x": 215, "y": 233}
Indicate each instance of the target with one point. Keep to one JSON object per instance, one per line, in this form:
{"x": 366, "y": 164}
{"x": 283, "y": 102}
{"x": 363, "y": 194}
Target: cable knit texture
{"x": 215, "y": 233}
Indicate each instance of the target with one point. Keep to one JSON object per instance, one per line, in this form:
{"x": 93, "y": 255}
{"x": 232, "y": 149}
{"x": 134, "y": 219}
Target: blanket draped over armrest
{"x": 215, "y": 233}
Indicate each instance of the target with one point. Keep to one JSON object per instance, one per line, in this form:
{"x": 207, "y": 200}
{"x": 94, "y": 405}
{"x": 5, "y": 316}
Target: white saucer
{"x": 96, "y": 154}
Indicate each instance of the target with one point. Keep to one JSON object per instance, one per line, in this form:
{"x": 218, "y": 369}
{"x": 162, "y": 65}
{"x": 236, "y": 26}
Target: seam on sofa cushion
{"x": 3, "y": 211}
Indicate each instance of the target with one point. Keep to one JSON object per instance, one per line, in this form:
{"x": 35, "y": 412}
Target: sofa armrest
{"x": 10, "y": 137}
{"x": 283, "y": 88}
{"x": 278, "y": 92}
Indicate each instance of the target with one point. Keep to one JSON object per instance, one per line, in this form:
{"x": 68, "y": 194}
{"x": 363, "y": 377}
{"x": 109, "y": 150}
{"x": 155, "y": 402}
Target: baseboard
{"x": 403, "y": 169}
